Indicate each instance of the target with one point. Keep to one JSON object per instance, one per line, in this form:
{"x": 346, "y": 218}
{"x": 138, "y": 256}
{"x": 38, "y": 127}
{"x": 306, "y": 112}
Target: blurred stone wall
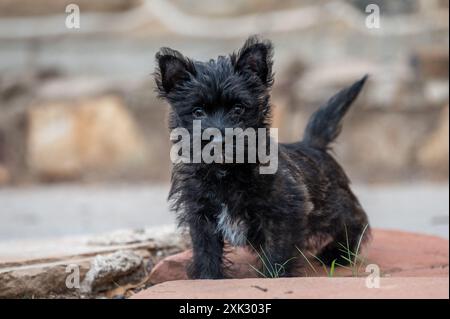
{"x": 82, "y": 107}
{"x": 398, "y": 128}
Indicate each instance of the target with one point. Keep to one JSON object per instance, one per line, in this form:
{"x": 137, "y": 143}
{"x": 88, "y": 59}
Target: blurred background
{"x": 84, "y": 147}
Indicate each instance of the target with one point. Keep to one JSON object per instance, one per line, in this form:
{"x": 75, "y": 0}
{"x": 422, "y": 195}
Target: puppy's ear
{"x": 172, "y": 69}
{"x": 255, "y": 57}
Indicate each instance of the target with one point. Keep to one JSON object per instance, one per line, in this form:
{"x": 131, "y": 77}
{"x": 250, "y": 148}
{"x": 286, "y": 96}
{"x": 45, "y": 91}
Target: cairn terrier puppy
{"x": 305, "y": 205}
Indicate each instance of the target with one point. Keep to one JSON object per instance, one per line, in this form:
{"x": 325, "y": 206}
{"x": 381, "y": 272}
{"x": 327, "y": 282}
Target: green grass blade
{"x": 346, "y": 259}
{"x": 359, "y": 242}
{"x": 332, "y": 268}
{"x": 259, "y": 272}
{"x": 272, "y": 269}
{"x": 307, "y": 260}
{"x": 323, "y": 264}
{"x": 346, "y": 238}
{"x": 262, "y": 260}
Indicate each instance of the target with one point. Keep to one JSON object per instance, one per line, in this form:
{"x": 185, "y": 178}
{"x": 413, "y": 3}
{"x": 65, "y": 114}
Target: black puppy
{"x": 306, "y": 205}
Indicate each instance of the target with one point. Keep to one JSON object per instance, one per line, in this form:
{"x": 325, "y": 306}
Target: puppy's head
{"x": 228, "y": 92}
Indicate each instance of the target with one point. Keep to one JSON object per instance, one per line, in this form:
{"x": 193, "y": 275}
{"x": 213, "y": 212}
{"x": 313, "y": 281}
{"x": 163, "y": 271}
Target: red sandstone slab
{"x": 398, "y": 254}
{"x": 409, "y": 254}
{"x": 299, "y": 288}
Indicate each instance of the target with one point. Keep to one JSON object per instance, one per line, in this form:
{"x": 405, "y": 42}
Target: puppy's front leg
{"x": 207, "y": 247}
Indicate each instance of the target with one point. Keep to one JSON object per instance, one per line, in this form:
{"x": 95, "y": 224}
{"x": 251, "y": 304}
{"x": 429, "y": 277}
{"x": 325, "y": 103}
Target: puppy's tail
{"x": 325, "y": 124}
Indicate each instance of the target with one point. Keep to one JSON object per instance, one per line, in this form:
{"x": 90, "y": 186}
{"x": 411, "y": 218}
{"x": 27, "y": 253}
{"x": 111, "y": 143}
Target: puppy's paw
{"x": 202, "y": 272}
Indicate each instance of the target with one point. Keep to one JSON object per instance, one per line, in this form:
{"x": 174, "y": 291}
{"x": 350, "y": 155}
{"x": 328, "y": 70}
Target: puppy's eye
{"x": 238, "y": 109}
{"x": 198, "y": 112}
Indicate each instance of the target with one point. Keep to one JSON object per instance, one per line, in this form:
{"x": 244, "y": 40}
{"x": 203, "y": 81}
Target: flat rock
{"x": 106, "y": 269}
{"x": 298, "y": 288}
{"x": 403, "y": 254}
{"x": 90, "y": 263}
{"x": 396, "y": 253}
{"x": 73, "y": 276}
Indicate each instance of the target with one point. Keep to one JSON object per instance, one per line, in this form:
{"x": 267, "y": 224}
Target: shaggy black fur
{"x": 307, "y": 204}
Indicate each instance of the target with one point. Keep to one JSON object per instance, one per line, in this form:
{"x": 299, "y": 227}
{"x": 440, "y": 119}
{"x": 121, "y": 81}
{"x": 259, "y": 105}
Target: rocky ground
{"x": 102, "y": 266}
{"x": 410, "y": 265}
{"x": 48, "y": 230}
{"x": 145, "y": 264}
{"x": 299, "y": 288}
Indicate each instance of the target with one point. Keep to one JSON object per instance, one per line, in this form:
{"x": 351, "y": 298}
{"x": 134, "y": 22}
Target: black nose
{"x": 217, "y": 120}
